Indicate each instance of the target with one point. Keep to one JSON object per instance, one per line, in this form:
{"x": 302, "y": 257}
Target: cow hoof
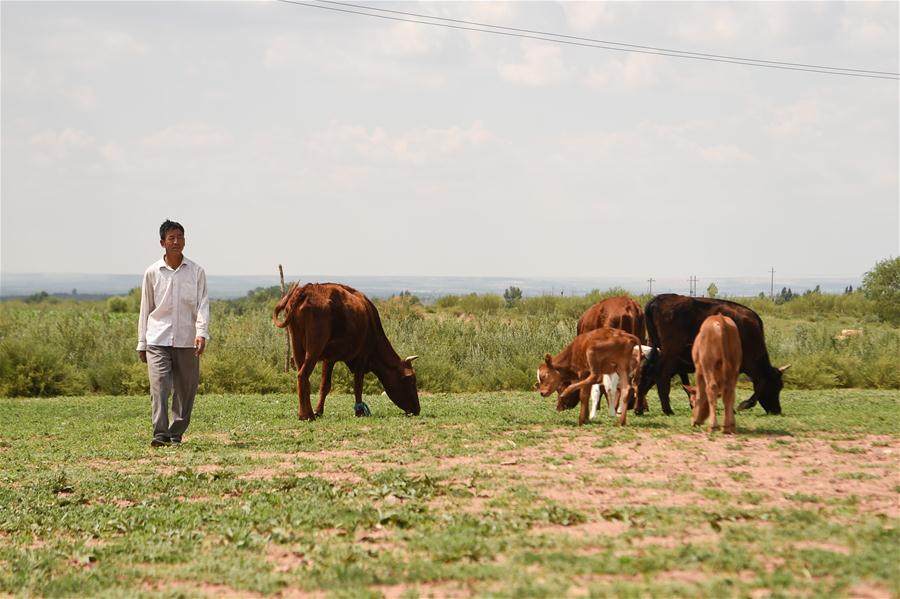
{"x": 361, "y": 409}
{"x": 746, "y": 404}
{"x": 669, "y": 412}
{"x": 310, "y": 418}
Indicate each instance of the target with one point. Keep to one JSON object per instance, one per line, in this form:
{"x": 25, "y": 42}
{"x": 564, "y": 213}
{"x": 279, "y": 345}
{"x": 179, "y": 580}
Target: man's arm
{"x": 202, "y": 324}
{"x": 147, "y": 305}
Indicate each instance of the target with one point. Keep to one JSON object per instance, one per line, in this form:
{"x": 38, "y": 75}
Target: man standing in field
{"x": 172, "y": 333}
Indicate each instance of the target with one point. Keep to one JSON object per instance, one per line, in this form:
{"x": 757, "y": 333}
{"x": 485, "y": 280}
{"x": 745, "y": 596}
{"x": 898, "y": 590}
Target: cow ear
{"x": 548, "y": 360}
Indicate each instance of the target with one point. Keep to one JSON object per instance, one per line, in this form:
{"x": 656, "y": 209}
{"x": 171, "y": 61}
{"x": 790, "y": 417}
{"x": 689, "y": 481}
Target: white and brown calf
{"x": 583, "y": 364}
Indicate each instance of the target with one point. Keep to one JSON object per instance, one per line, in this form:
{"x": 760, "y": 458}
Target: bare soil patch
{"x": 675, "y": 470}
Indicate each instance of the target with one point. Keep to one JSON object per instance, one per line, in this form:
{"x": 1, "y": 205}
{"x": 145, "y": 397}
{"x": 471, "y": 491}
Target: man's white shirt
{"x": 174, "y": 305}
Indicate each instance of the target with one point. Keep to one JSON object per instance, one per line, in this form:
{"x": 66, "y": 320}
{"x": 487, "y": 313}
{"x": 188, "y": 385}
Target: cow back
{"x": 673, "y": 322}
{"x": 619, "y": 312}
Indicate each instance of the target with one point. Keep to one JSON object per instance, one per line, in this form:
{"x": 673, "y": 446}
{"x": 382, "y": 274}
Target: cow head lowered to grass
{"x": 329, "y": 323}
{"x": 673, "y": 322}
{"x": 584, "y": 362}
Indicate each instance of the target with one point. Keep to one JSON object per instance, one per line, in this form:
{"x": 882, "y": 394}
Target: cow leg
{"x": 584, "y": 396}
{"x": 749, "y": 403}
{"x": 663, "y": 385}
{"x": 700, "y": 410}
{"x": 305, "y": 411}
{"x": 712, "y": 398}
{"x": 667, "y": 368}
{"x": 610, "y": 387}
{"x": 595, "y": 400}
{"x": 728, "y": 400}
{"x": 360, "y": 408}
{"x": 635, "y": 402}
{"x": 622, "y": 392}
{"x": 591, "y": 379}
{"x": 324, "y": 385}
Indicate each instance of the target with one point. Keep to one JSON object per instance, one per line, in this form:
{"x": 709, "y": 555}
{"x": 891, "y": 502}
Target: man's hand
{"x": 142, "y": 355}
{"x": 199, "y": 345}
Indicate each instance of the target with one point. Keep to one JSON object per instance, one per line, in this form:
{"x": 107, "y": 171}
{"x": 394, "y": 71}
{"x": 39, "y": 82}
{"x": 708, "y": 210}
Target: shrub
{"x": 117, "y": 304}
{"x": 882, "y": 286}
{"x": 28, "y": 370}
{"x": 481, "y": 304}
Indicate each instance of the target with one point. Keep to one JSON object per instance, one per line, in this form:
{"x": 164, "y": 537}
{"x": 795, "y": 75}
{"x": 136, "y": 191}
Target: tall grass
{"x": 466, "y": 344}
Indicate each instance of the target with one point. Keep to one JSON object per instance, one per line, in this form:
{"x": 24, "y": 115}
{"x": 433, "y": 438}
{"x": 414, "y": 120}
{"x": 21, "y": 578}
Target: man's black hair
{"x": 167, "y": 226}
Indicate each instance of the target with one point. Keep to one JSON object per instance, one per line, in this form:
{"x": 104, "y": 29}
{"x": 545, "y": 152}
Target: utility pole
{"x": 650, "y": 280}
{"x": 693, "y": 281}
{"x": 772, "y": 285}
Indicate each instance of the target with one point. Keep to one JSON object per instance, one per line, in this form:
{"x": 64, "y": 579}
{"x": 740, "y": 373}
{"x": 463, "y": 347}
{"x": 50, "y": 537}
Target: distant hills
{"x": 426, "y": 288}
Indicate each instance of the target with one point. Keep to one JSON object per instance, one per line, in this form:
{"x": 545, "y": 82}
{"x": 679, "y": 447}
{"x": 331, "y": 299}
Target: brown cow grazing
{"x": 717, "y": 358}
{"x": 329, "y": 322}
{"x": 584, "y": 362}
{"x": 619, "y": 312}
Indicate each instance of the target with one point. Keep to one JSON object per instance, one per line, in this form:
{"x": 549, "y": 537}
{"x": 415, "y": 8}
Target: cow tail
{"x": 285, "y": 304}
{"x": 651, "y": 364}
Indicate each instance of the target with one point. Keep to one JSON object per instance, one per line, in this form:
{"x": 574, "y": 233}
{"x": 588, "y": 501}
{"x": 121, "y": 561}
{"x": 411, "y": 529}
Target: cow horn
{"x": 785, "y": 367}
{"x": 410, "y": 358}
{"x": 539, "y": 376}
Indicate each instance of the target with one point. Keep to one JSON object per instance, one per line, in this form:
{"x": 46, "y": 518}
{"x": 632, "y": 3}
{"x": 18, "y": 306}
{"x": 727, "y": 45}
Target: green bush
{"x": 881, "y": 285}
{"x": 465, "y": 343}
{"x": 30, "y": 370}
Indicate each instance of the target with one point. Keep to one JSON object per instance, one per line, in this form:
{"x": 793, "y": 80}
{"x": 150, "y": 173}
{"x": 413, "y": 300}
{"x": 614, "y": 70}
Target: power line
{"x": 599, "y": 41}
{"x": 512, "y": 32}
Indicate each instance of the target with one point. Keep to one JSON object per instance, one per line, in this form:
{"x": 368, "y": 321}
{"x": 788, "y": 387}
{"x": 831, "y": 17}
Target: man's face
{"x": 173, "y": 242}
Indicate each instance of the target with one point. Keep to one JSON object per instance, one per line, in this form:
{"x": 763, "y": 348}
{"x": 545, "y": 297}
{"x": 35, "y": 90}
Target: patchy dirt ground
{"x": 671, "y": 471}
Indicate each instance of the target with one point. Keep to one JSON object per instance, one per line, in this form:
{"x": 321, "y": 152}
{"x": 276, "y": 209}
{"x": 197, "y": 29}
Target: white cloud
{"x": 541, "y": 64}
{"x": 285, "y": 50}
{"x": 631, "y": 72}
{"x": 585, "y": 16}
{"x": 351, "y": 143}
{"x": 49, "y": 146}
{"x": 869, "y": 31}
{"x": 188, "y": 136}
{"x": 82, "y": 96}
{"x": 799, "y": 118}
{"x": 374, "y": 59}
{"x": 406, "y": 39}
{"x": 724, "y": 153}
{"x": 87, "y": 47}
{"x": 713, "y": 23}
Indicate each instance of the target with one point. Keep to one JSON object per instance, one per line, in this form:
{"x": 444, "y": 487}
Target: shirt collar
{"x": 161, "y": 263}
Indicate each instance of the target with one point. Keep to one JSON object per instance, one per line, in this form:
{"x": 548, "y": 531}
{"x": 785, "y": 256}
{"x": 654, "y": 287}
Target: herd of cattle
{"x": 610, "y": 354}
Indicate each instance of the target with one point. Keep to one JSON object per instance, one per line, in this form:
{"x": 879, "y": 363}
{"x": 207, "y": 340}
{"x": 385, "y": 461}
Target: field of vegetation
{"x": 469, "y": 343}
{"x": 489, "y": 492}
{"x": 484, "y": 494}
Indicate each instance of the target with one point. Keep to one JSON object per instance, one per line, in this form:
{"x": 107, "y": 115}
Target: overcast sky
{"x": 350, "y": 145}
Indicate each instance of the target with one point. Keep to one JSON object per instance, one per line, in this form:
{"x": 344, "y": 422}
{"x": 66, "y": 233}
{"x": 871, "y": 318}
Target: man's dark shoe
{"x": 159, "y": 443}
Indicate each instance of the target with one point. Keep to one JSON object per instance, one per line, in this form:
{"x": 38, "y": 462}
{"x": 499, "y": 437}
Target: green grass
{"x": 466, "y": 344}
{"x": 483, "y": 494}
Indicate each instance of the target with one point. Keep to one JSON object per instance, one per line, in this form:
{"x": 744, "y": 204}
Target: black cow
{"x": 673, "y": 322}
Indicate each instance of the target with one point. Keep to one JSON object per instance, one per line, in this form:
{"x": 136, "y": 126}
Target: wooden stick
{"x": 287, "y": 351}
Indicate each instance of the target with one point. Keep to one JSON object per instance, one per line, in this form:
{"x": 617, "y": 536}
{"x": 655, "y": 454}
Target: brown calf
{"x": 619, "y": 312}
{"x": 584, "y": 362}
{"x": 717, "y": 357}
